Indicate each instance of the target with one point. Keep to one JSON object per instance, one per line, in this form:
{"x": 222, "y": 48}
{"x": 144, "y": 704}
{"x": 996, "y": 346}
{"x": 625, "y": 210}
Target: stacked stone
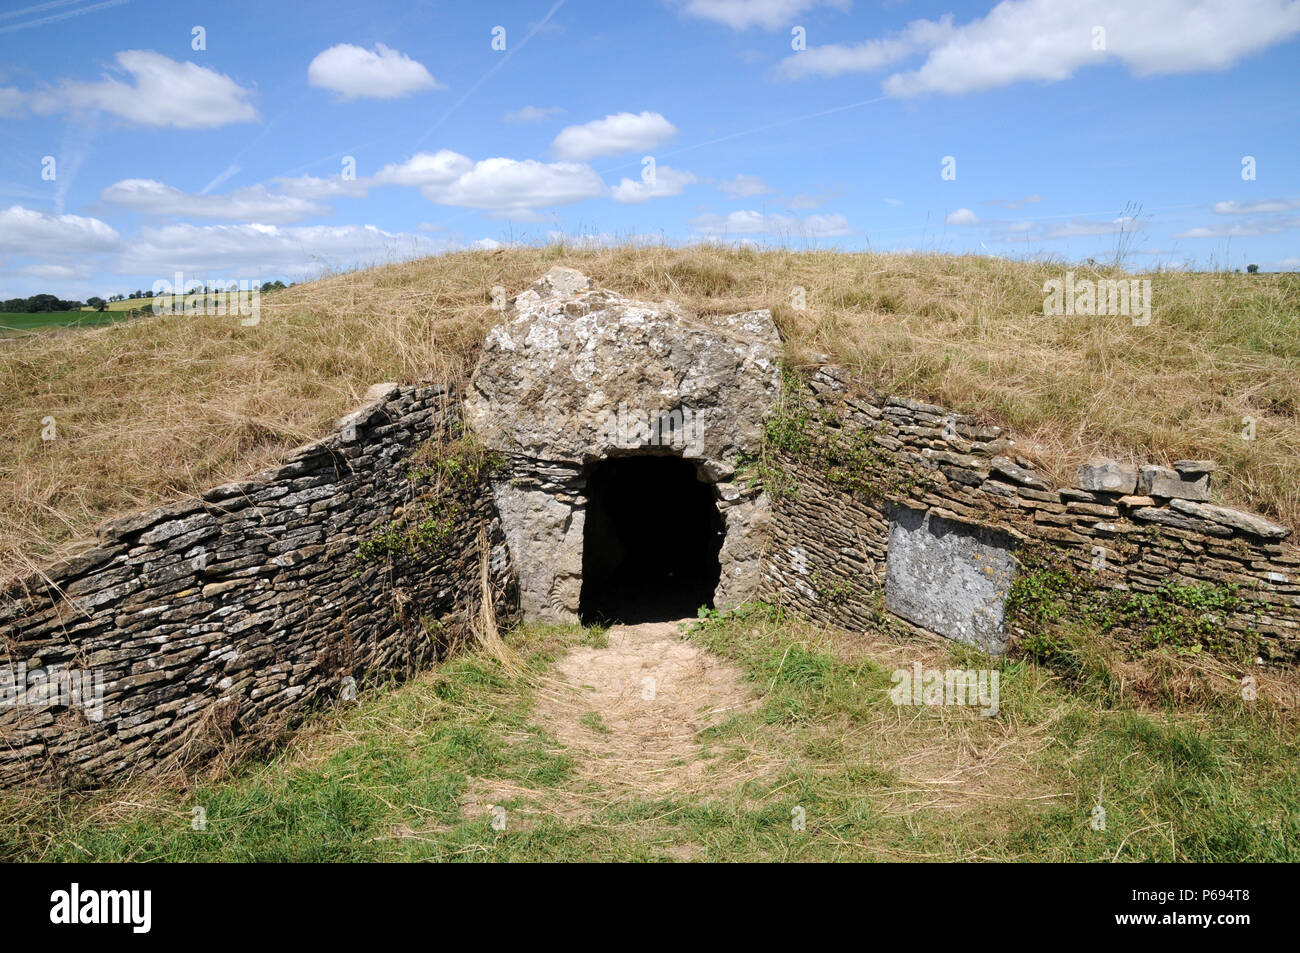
{"x": 240, "y": 609}
{"x": 1126, "y": 527}
{"x": 825, "y": 559}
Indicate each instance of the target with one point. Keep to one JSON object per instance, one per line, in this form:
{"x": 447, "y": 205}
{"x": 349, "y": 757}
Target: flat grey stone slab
{"x": 949, "y": 577}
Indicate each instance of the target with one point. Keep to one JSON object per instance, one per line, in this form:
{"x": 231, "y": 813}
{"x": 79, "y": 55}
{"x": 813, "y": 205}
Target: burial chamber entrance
{"x": 651, "y": 541}
{"x": 620, "y": 427}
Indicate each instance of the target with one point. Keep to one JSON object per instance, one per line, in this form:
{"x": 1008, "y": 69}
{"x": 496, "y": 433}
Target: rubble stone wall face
{"x": 896, "y": 464}
{"x": 240, "y": 610}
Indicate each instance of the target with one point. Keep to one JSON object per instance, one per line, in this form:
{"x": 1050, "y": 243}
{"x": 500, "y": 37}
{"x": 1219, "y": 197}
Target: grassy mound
{"x": 158, "y": 407}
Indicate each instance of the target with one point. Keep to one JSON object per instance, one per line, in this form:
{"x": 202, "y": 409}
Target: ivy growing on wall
{"x": 1186, "y": 617}
{"x": 801, "y": 431}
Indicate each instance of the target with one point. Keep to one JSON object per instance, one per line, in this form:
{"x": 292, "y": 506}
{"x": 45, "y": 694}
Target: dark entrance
{"x": 651, "y": 541}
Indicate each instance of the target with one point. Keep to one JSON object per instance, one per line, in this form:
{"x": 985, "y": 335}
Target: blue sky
{"x": 341, "y": 134}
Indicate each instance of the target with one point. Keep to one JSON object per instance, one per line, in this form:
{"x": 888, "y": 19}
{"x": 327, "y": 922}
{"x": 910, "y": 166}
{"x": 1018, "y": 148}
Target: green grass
{"x": 386, "y": 779}
{"x": 56, "y": 319}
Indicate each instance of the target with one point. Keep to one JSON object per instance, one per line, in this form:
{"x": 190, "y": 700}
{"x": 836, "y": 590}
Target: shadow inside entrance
{"x": 651, "y": 541}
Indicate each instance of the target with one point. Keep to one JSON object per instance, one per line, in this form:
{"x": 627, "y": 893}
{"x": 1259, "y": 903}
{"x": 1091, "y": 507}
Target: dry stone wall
{"x": 887, "y": 504}
{"x": 240, "y": 610}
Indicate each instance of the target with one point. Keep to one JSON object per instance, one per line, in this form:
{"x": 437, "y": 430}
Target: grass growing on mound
{"x": 158, "y": 407}
{"x": 403, "y": 775}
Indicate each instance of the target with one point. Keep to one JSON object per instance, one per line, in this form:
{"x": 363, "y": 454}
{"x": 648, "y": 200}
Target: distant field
{"x": 122, "y": 305}
{"x": 55, "y": 319}
{"x": 130, "y": 303}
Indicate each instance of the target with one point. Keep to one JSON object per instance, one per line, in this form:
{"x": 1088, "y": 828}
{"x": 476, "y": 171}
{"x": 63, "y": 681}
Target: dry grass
{"x": 157, "y": 408}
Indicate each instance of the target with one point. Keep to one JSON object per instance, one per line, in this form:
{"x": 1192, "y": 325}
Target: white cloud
{"x": 11, "y": 101}
{"x": 425, "y": 168}
{"x": 252, "y": 204}
{"x": 357, "y": 73}
{"x": 743, "y": 186}
{"x": 743, "y": 14}
{"x": 1050, "y": 40}
{"x": 485, "y": 244}
{"x": 160, "y": 92}
{"x": 508, "y": 186}
{"x": 750, "y": 222}
{"x": 963, "y": 216}
{"x": 1245, "y": 229}
{"x": 532, "y": 114}
{"x": 1076, "y": 228}
{"x": 77, "y": 271}
{"x": 24, "y": 232}
{"x": 311, "y": 187}
{"x": 1256, "y": 208}
{"x": 894, "y": 202}
{"x": 837, "y": 58}
{"x": 613, "y": 135}
{"x": 1082, "y": 229}
{"x": 255, "y": 250}
{"x": 512, "y": 185}
{"x": 665, "y": 182}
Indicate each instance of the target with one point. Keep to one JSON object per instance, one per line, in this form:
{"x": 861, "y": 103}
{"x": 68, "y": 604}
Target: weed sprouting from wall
{"x": 441, "y": 474}
{"x": 1049, "y": 599}
{"x": 803, "y": 432}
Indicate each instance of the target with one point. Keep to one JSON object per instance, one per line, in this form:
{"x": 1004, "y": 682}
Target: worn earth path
{"x": 630, "y": 712}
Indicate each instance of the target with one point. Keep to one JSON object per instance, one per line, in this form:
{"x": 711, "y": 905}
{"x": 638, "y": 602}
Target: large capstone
{"x": 576, "y": 375}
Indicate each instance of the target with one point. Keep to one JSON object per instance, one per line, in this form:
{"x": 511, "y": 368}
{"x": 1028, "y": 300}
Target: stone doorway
{"x": 651, "y": 541}
{"x": 577, "y": 377}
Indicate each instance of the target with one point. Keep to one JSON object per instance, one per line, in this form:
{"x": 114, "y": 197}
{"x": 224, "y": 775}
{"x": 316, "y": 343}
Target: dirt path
{"x": 630, "y": 714}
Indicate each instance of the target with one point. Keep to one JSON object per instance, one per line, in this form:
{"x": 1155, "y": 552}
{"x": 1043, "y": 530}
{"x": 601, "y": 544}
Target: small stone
{"x": 1136, "y": 501}
{"x": 1101, "y": 475}
{"x": 217, "y": 588}
{"x": 1169, "y": 484}
{"x": 1016, "y": 474}
{"x": 1092, "y": 509}
{"x": 1236, "y": 519}
{"x": 1195, "y": 466}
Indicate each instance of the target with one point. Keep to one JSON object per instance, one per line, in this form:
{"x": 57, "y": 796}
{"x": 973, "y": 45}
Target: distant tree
{"x": 38, "y": 304}
{"x": 99, "y": 304}
{"x": 1252, "y": 268}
